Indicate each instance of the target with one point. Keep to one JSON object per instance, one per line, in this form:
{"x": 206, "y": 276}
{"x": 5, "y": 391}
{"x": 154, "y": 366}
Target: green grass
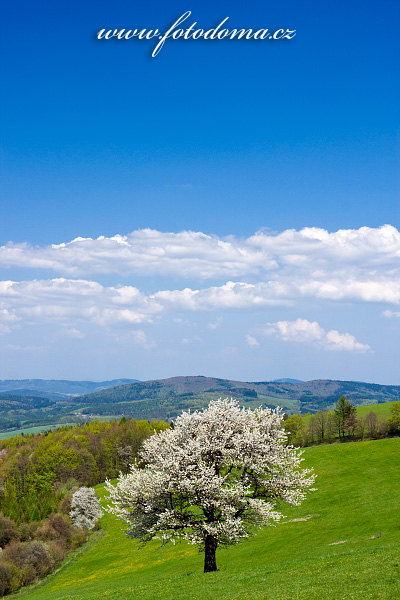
{"x": 39, "y": 429}
{"x": 105, "y": 417}
{"x": 382, "y": 410}
{"x": 357, "y": 497}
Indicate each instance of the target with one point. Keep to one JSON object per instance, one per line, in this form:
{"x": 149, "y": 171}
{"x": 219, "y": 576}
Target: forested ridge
{"x": 165, "y": 399}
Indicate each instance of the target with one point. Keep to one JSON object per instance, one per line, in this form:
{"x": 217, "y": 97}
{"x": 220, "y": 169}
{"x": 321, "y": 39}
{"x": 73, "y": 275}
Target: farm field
{"x": 28, "y": 430}
{"x": 342, "y": 542}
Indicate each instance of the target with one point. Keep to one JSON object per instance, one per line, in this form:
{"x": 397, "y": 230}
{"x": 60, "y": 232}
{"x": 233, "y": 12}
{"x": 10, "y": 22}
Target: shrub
{"x": 62, "y": 526}
{"x": 16, "y": 553}
{"x": 5, "y": 577}
{"x": 46, "y": 532}
{"x": 27, "y": 531}
{"x": 65, "y": 504}
{"x": 16, "y": 578}
{"x": 39, "y": 555}
{"x": 79, "y": 537}
{"x": 28, "y": 574}
{"x": 58, "y": 552}
{"x": 8, "y": 531}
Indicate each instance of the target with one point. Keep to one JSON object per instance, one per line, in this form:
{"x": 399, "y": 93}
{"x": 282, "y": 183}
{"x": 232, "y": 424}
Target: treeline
{"x": 341, "y": 424}
{"x": 37, "y": 471}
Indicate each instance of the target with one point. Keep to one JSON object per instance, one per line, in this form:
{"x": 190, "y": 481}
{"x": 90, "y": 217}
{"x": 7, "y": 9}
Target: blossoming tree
{"x": 85, "y": 508}
{"x": 211, "y": 479}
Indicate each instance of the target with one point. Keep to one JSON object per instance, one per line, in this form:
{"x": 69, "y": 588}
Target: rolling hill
{"x": 166, "y": 398}
{"x": 56, "y": 389}
{"x": 342, "y": 542}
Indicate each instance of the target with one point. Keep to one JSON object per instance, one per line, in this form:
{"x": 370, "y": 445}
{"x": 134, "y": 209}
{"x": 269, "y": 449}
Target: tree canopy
{"x": 211, "y": 479}
{"x": 343, "y": 411}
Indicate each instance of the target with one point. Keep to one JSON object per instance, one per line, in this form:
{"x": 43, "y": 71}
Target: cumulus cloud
{"x": 390, "y": 313}
{"x": 72, "y": 303}
{"x": 251, "y": 341}
{"x": 142, "y": 340}
{"x": 214, "y": 325}
{"x": 304, "y": 331}
{"x": 356, "y": 252}
{"x": 265, "y": 269}
{"x": 194, "y": 340}
{"x": 6, "y": 317}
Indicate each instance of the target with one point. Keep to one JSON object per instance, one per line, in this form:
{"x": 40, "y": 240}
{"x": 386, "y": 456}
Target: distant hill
{"x": 287, "y": 380}
{"x": 14, "y": 409}
{"x": 57, "y": 389}
{"x": 60, "y": 401}
{"x": 166, "y": 398}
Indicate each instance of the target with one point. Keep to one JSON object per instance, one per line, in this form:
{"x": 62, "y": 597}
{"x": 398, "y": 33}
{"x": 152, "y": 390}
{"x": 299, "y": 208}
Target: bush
{"x": 62, "y": 526}
{"x": 45, "y": 531}
{"x": 16, "y": 578}
{"x": 28, "y": 574}
{"x": 16, "y": 553}
{"x": 8, "y": 531}
{"x": 39, "y": 555}
{"x": 65, "y": 504}
{"x": 79, "y": 537}
{"x": 58, "y": 552}
{"x": 5, "y": 577}
{"x": 27, "y": 531}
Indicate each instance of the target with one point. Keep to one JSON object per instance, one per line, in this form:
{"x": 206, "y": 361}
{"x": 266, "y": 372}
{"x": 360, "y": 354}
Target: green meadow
{"x": 31, "y": 430}
{"x": 343, "y": 542}
{"x": 381, "y": 410}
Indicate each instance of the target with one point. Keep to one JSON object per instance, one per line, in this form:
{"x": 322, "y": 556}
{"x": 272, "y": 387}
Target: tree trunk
{"x": 209, "y": 555}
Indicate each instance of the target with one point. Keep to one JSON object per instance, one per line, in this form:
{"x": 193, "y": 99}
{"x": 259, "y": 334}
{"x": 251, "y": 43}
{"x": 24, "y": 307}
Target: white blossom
{"x": 85, "y": 508}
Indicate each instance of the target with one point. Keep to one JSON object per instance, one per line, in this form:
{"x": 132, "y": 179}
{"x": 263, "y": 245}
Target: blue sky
{"x": 224, "y": 138}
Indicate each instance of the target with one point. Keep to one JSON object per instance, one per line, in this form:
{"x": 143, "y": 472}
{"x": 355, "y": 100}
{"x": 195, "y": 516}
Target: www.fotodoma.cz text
{"x": 176, "y": 32}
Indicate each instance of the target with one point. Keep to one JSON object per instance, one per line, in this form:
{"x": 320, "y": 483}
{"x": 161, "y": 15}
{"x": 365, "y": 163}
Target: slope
{"x": 343, "y": 542}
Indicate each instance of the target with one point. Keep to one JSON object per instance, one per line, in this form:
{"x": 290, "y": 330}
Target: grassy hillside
{"x": 328, "y": 548}
{"x": 381, "y": 410}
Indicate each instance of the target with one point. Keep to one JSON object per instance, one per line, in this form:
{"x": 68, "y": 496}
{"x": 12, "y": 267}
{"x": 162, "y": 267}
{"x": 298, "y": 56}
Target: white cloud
{"x": 358, "y": 253}
{"x": 73, "y": 333}
{"x": 69, "y": 303}
{"x": 142, "y": 340}
{"x": 251, "y": 341}
{"x": 196, "y": 339}
{"x": 73, "y": 303}
{"x": 215, "y": 324}
{"x": 304, "y": 331}
{"x": 390, "y": 313}
{"x": 25, "y": 348}
{"x": 6, "y": 318}
{"x": 265, "y": 269}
